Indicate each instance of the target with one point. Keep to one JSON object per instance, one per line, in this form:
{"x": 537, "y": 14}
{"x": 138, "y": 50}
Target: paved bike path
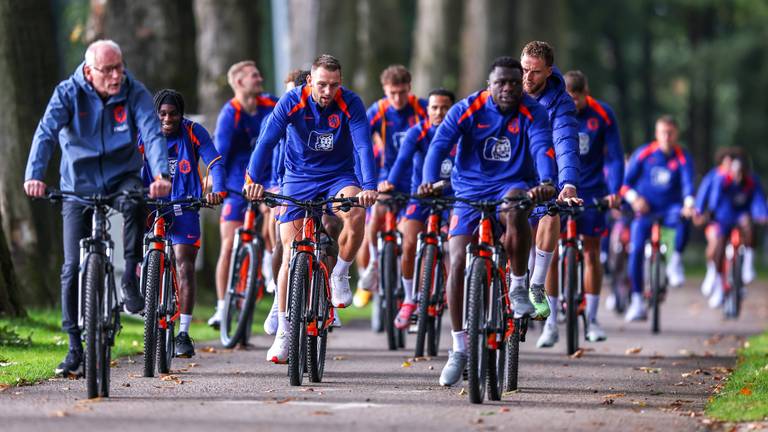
{"x": 611, "y": 386}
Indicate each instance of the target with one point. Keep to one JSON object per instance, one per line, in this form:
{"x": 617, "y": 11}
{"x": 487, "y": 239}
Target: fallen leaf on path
{"x": 308, "y": 389}
{"x": 286, "y": 400}
{"x": 647, "y": 369}
{"x": 607, "y": 402}
{"x": 321, "y": 413}
{"x": 477, "y": 421}
{"x": 406, "y": 364}
{"x": 504, "y": 409}
{"x": 487, "y": 413}
{"x": 126, "y": 384}
{"x": 577, "y": 354}
{"x": 614, "y": 396}
{"x": 59, "y": 413}
{"x": 641, "y": 404}
{"x": 171, "y": 378}
{"x": 192, "y": 365}
{"x": 269, "y": 391}
{"x": 634, "y": 350}
{"x": 431, "y": 367}
{"x": 510, "y": 393}
{"x": 4, "y": 387}
{"x": 339, "y": 357}
{"x": 113, "y": 363}
{"x": 686, "y": 353}
{"x": 131, "y": 360}
{"x": 463, "y": 392}
{"x": 208, "y": 349}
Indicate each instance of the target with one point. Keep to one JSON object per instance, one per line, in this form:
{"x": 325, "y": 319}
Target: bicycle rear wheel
{"x": 477, "y": 363}
{"x": 299, "y": 286}
{"x": 316, "y": 344}
{"x": 94, "y": 337}
{"x": 389, "y": 281}
{"x": 497, "y": 358}
{"x": 152, "y": 286}
{"x": 732, "y": 304}
{"x": 240, "y": 296}
{"x": 656, "y": 292}
{"x": 513, "y": 356}
{"x": 571, "y": 286}
{"x": 425, "y": 283}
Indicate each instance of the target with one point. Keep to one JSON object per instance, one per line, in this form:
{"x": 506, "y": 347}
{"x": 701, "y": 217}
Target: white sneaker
{"x": 716, "y": 298}
{"x": 270, "y": 323}
{"x": 368, "y": 278}
{"x": 278, "y": 352}
{"x": 675, "y": 272}
{"x": 549, "y": 336}
{"x": 610, "y": 301}
{"x": 595, "y": 333}
{"x": 709, "y": 280}
{"x": 215, "y": 320}
{"x": 748, "y": 273}
{"x": 636, "y": 310}
{"x": 336, "y": 320}
{"x": 271, "y": 286}
{"x": 341, "y": 293}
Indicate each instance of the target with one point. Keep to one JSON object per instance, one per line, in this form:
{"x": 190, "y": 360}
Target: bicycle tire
{"x": 316, "y": 344}
{"x": 94, "y": 278}
{"x": 240, "y": 296}
{"x": 732, "y": 304}
{"x": 389, "y": 279}
{"x": 655, "y": 270}
{"x": 513, "y": 356}
{"x": 151, "y": 291}
{"x": 297, "y": 351}
{"x": 439, "y": 301}
{"x": 477, "y": 362}
{"x": 105, "y": 360}
{"x": 425, "y": 283}
{"x": 497, "y": 358}
{"x": 570, "y": 285}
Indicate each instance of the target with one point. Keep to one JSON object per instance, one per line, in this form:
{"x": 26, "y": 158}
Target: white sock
{"x": 554, "y": 308}
{"x": 517, "y": 281}
{"x": 638, "y": 298}
{"x": 266, "y": 266}
{"x": 342, "y": 267}
{"x": 749, "y": 254}
{"x": 459, "y": 340}
{"x": 711, "y": 270}
{"x": 373, "y": 251}
{"x": 220, "y": 305}
{"x": 184, "y": 322}
{"x": 408, "y": 288}
{"x": 531, "y": 261}
{"x": 541, "y": 266}
{"x": 593, "y": 302}
{"x": 282, "y": 323}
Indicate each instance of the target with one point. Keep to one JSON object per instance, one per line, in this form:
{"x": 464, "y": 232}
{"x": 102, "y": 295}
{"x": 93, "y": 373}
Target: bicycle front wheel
{"x": 424, "y": 289}
{"x": 571, "y": 286}
{"x": 477, "y": 363}
{"x": 656, "y": 292}
{"x": 94, "y": 335}
{"x": 513, "y": 356}
{"x": 299, "y": 286}
{"x": 316, "y": 344}
{"x": 240, "y": 296}
{"x": 152, "y": 286}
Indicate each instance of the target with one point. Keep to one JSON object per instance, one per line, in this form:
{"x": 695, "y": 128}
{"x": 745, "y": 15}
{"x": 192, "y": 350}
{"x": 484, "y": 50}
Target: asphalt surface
{"x": 632, "y": 381}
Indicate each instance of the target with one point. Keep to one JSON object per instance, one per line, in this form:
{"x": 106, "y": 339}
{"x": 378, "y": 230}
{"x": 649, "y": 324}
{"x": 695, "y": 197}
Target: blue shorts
{"x": 307, "y": 190}
{"x": 185, "y": 229}
{"x": 723, "y": 227}
{"x": 465, "y": 219}
{"x": 233, "y": 209}
{"x": 592, "y": 222}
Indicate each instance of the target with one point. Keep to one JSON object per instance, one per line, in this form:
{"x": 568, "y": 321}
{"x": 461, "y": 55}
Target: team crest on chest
{"x": 514, "y": 126}
{"x": 497, "y": 149}
{"x": 334, "y": 121}
{"x": 583, "y": 143}
{"x": 320, "y": 141}
{"x": 593, "y": 124}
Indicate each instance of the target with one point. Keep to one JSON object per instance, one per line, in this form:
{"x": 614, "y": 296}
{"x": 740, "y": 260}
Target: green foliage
{"x": 9, "y": 337}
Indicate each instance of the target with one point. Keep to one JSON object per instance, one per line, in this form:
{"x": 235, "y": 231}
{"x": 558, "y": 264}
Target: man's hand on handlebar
{"x": 214, "y": 198}
{"x": 612, "y": 201}
{"x": 159, "y": 188}
{"x": 385, "y": 187}
{"x": 253, "y": 191}
{"x": 542, "y": 192}
{"x": 367, "y": 197}
{"x": 34, "y": 188}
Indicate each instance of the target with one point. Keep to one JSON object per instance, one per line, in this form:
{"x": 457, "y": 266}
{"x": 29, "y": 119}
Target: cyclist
{"x": 735, "y": 199}
{"x": 599, "y": 152}
{"x": 295, "y": 78}
{"x": 505, "y": 144}
{"x": 187, "y": 142}
{"x": 329, "y": 129}
{"x": 723, "y": 157}
{"x": 411, "y": 155}
{"x": 658, "y": 184}
{"x": 101, "y": 108}
{"x": 543, "y": 81}
{"x": 237, "y": 129}
{"x": 390, "y": 118}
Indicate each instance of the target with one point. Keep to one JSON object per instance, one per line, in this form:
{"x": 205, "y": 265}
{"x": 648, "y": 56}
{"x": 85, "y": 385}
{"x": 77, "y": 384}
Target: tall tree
{"x": 157, "y": 40}
{"x": 27, "y": 77}
{"x": 434, "y": 37}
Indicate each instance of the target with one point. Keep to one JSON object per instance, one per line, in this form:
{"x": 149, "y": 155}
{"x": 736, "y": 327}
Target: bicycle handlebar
{"x": 97, "y": 199}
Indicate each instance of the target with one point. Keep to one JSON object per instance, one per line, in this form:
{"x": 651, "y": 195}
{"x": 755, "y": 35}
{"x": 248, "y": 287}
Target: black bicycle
{"x": 160, "y": 286}
{"x": 310, "y": 312}
{"x": 99, "y": 302}
{"x": 391, "y": 292}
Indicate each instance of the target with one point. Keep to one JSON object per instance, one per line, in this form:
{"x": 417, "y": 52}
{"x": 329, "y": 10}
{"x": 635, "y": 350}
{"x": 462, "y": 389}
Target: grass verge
{"x": 744, "y": 397}
{"x": 37, "y": 344}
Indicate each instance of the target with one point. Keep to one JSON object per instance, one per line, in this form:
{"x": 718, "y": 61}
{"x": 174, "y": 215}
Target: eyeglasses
{"x": 110, "y": 70}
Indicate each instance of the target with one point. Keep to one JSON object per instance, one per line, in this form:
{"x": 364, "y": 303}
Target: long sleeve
{"x": 565, "y": 138}
{"x": 702, "y": 194}
{"x": 687, "y": 177}
{"x": 405, "y": 154}
{"x": 447, "y": 133}
{"x": 211, "y": 158}
{"x": 57, "y": 115}
{"x": 360, "y": 133}
{"x": 268, "y": 138}
{"x": 759, "y": 207}
{"x": 540, "y": 139}
{"x": 634, "y": 168}
{"x": 145, "y": 118}
{"x": 614, "y": 157}
{"x": 225, "y": 129}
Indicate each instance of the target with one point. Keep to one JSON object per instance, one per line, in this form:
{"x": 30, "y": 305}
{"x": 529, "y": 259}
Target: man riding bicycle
{"x": 659, "y": 185}
{"x": 329, "y": 135}
{"x": 505, "y": 145}
{"x": 95, "y": 116}
{"x": 410, "y": 157}
{"x": 187, "y": 143}
{"x": 601, "y": 172}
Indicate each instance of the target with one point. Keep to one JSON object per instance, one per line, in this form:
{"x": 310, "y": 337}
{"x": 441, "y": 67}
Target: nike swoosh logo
{"x": 190, "y": 236}
{"x": 483, "y": 125}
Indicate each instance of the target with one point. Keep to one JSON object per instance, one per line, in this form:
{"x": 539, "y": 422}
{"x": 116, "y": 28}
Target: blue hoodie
{"x": 97, "y": 139}
{"x": 565, "y": 127}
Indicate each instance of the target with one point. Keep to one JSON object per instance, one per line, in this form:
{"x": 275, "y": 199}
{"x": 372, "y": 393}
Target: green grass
{"x": 20, "y": 364}
{"x": 745, "y": 395}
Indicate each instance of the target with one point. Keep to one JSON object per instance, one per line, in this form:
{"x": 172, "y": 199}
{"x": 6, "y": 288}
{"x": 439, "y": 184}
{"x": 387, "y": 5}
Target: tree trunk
{"x": 433, "y": 63}
{"x": 157, "y": 40}
{"x": 701, "y": 23}
{"x": 10, "y": 301}
{"x": 227, "y": 32}
{"x": 27, "y": 76}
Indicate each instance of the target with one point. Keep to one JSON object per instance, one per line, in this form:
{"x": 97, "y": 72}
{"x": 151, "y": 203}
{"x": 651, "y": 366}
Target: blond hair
{"x": 234, "y": 71}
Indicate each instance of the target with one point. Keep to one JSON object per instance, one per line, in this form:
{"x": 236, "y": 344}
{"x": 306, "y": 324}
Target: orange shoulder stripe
{"x": 383, "y": 105}
{"x": 238, "y": 109}
{"x": 525, "y": 111}
{"x": 650, "y": 148}
{"x": 417, "y": 109}
{"x": 425, "y": 125}
{"x": 265, "y": 101}
{"x": 595, "y": 105}
{"x": 303, "y": 101}
{"x": 680, "y": 155}
{"x": 192, "y": 135}
{"x": 476, "y": 105}
{"x": 342, "y": 103}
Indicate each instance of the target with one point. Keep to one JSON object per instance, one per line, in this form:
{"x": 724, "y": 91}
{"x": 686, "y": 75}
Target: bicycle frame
{"x": 248, "y": 232}
{"x": 572, "y": 239}
{"x": 733, "y": 250}
{"x": 432, "y": 236}
{"x": 158, "y": 241}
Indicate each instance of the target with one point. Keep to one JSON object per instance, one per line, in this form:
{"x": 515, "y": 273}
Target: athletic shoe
{"x": 362, "y": 297}
{"x": 716, "y": 298}
{"x": 270, "y": 323}
{"x": 71, "y": 364}
{"x": 709, "y": 281}
{"x": 675, "y": 272}
{"x": 341, "y": 293}
{"x": 368, "y": 278}
{"x": 549, "y": 336}
{"x": 636, "y": 310}
{"x": 403, "y": 318}
{"x": 453, "y": 369}
{"x": 215, "y": 320}
{"x": 278, "y": 352}
{"x": 185, "y": 348}
{"x": 748, "y": 273}
{"x": 595, "y": 333}
{"x": 521, "y": 303}
{"x": 539, "y": 300}
{"x": 132, "y": 299}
